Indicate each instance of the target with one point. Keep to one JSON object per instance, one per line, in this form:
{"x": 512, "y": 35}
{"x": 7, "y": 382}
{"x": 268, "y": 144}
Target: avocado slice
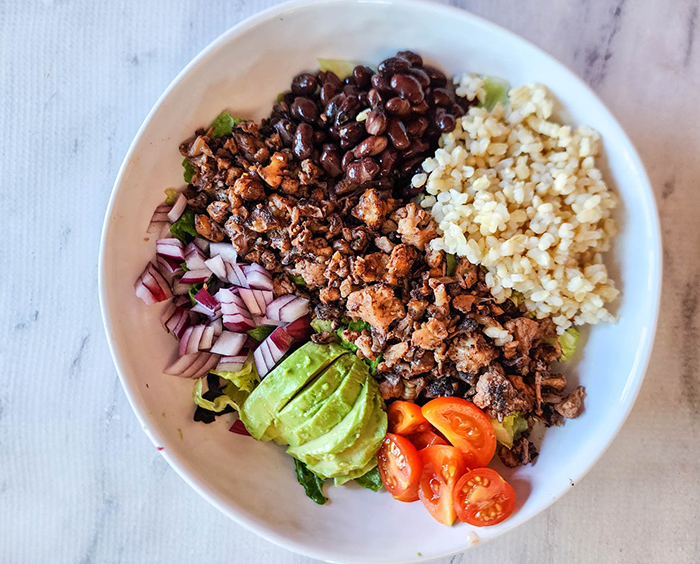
{"x": 335, "y": 408}
{"x": 343, "y": 434}
{"x": 309, "y": 400}
{"x": 353, "y": 461}
{"x": 279, "y": 386}
{"x": 340, "y": 480}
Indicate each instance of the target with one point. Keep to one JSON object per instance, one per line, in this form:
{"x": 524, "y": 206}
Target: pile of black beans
{"x": 372, "y": 129}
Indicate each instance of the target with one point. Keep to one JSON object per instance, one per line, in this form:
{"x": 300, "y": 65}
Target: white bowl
{"x": 254, "y": 482}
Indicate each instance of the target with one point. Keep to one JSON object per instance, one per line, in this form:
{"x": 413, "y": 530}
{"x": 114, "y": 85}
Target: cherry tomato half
{"x": 400, "y": 467}
{"x": 482, "y": 498}
{"x": 443, "y": 466}
{"x": 424, "y": 439}
{"x": 405, "y": 418}
{"x": 465, "y": 426}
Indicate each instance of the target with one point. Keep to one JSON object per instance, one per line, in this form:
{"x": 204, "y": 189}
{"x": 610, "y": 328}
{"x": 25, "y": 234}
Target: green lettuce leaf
{"x": 171, "y": 196}
{"x": 341, "y": 68}
{"x": 245, "y": 380}
{"x": 298, "y": 280}
{"x": 261, "y": 332}
{"x": 313, "y": 485}
{"x": 509, "y": 430}
{"x": 372, "y": 480}
{"x": 358, "y": 325}
{"x": 189, "y": 171}
{"x": 184, "y": 228}
{"x": 374, "y": 363}
{"x": 321, "y": 325}
{"x": 568, "y": 341}
{"x": 347, "y": 344}
{"x": 223, "y": 125}
{"x": 218, "y": 404}
{"x": 496, "y": 91}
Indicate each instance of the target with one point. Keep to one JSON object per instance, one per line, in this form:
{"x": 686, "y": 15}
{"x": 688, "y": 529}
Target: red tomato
{"x": 423, "y": 439}
{"x": 483, "y": 498}
{"x": 465, "y": 426}
{"x": 400, "y": 467}
{"x": 405, "y": 418}
{"x": 443, "y": 466}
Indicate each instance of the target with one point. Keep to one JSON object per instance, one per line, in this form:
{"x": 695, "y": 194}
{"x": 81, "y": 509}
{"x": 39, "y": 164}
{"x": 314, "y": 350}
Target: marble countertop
{"x": 80, "y": 481}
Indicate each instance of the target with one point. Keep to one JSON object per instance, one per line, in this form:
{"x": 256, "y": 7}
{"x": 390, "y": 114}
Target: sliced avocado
{"x": 362, "y": 452}
{"x": 335, "y": 408}
{"x": 343, "y": 434}
{"x": 280, "y": 385}
{"x": 309, "y": 400}
{"x": 340, "y": 480}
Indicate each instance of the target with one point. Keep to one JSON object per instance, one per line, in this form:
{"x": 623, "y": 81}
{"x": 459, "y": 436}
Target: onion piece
{"x": 194, "y": 257}
{"x": 207, "y": 339}
{"x": 170, "y": 248}
{"x": 195, "y": 338}
{"x": 236, "y": 276}
{"x": 266, "y": 321}
{"x": 165, "y": 231}
{"x": 225, "y": 250}
{"x": 217, "y": 266}
{"x": 151, "y": 286}
{"x": 229, "y": 344}
{"x": 236, "y": 316}
{"x": 180, "y": 289}
{"x": 271, "y": 350}
{"x": 207, "y": 300}
{"x": 195, "y": 276}
{"x": 159, "y": 218}
{"x": 218, "y": 326}
{"x": 201, "y": 244}
{"x": 177, "y": 209}
{"x": 300, "y": 329}
{"x": 239, "y": 428}
{"x": 168, "y": 267}
{"x": 193, "y": 365}
{"x": 256, "y": 300}
{"x": 288, "y": 310}
{"x": 257, "y": 277}
{"x": 232, "y": 363}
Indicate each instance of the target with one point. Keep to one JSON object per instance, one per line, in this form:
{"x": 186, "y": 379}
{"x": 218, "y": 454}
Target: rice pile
{"x": 520, "y": 194}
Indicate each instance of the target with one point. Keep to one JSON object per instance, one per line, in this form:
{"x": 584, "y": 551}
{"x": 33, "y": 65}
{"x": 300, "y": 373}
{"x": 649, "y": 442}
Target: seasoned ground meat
{"x": 415, "y": 226}
{"x": 377, "y": 305}
{"x": 471, "y": 352}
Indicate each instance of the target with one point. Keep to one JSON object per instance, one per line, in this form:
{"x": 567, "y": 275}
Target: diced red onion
{"x": 229, "y": 344}
{"x": 271, "y": 350}
{"x": 207, "y": 300}
{"x": 165, "y": 231}
{"x": 151, "y": 286}
{"x": 239, "y": 428}
{"x": 199, "y": 308}
{"x": 168, "y": 267}
{"x": 178, "y": 322}
{"x": 300, "y": 329}
{"x": 195, "y": 276}
{"x": 207, "y": 339}
{"x": 179, "y": 207}
{"x": 195, "y": 260}
{"x": 286, "y": 309}
{"x": 217, "y": 266}
{"x": 167, "y": 313}
{"x": 202, "y": 244}
{"x": 257, "y": 277}
{"x": 256, "y": 300}
{"x": 225, "y": 250}
{"x": 225, "y": 296}
{"x": 193, "y": 365}
{"x": 159, "y": 217}
{"x": 182, "y": 300}
{"x": 184, "y": 340}
{"x": 180, "y": 289}
{"x": 236, "y": 276}
{"x": 170, "y": 248}
{"x": 237, "y": 322}
{"x": 218, "y": 326}
{"x": 266, "y": 321}
{"x": 195, "y": 338}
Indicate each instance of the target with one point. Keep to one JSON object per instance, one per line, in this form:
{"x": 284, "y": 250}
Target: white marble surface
{"x": 80, "y": 482}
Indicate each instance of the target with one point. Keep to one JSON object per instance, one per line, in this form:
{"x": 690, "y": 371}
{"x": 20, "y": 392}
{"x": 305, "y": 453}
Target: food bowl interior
{"x": 254, "y": 482}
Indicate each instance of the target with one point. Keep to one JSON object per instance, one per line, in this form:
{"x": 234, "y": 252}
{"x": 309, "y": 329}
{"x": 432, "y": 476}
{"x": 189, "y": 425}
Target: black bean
{"x": 328, "y": 77}
{"x": 285, "y": 128}
{"x": 376, "y": 122}
{"x": 352, "y": 132}
{"x": 347, "y": 159}
{"x": 345, "y": 144}
{"x": 370, "y": 147}
{"x": 304, "y": 84}
{"x": 413, "y": 58}
{"x": 288, "y": 98}
{"x": 441, "y": 97}
{"x": 420, "y": 109}
{"x": 281, "y": 109}
{"x": 374, "y": 98}
{"x": 303, "y": 141}
{"x": 333, "y": 132}
{"x": 397, "y": 134}
{"x": 416, "y": 148}
{"x": 463, "y": 104}
{"x": 319, "y": 136}
{"x": 350, "y": 89}
{"x": 421, "y": 76}
{"x": 380, "y": 83}
{"x": 362, "y": 171}
{"x": 332, "y": 106}
{"x": 417, "y": 127}
{"x": 398, "y": 107}
{"x": 437, "y": 77}
{"x": 412, "y": 166}
{"x": 444, "y": 121}
{"x": 393, "y": 65}
{"x": 387, "y": 161}
{"x": 328, "y": 90}
{"x": 304, "y": 109}
{"x": 348, "y": 109}
{"x": 330, "y": 161}
{"x": 364, "y": 99}
{"x": 362, "y": 75}
{"x": 408, "y": 88}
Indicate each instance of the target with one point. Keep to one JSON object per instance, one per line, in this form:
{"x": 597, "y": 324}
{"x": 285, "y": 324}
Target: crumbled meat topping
{"x": 377, "y": 305}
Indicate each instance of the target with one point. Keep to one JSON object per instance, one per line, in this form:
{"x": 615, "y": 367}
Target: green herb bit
{"x": 298, "y": 280}
{"x": 313, "y": 485}
{"x": 171, "y": 196}
{"x": 189, "y": 171}
{"x": 372, "y": 480}
{"x": 223, "y": 125}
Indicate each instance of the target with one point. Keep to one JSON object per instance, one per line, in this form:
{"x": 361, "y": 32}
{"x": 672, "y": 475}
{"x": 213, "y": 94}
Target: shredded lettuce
{"x": 372, "y": 480}
{"x": 280, "y": 96}
{"x": 245, "y": 380}
{"x": 374, "y": 363}
{"x": 313, "y": 485}
{"x": 261, "y": 332}
{"x": 509, "y": 430}
{"x": 451, "y": 263}
{"x": 321, "y": 325}
{"x": 184, "y": 228}
{"x": 223, "y": 125}
{"x": 189, "y": 171}
{"x": 298, "y": 280}
{"x": 217, "y": 405}
{"x": 568, "y": 341}
{"x": 171, "y": 196}
{"x": 347, "y": 344}
{"x": 496, "y": 91}
{"x": 341, "y": 68}
{"x": 358, "y": 325}
{"x": 517, "y": 298}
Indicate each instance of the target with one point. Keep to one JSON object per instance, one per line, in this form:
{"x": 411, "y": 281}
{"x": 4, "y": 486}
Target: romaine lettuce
{"x": 568, "y": 341}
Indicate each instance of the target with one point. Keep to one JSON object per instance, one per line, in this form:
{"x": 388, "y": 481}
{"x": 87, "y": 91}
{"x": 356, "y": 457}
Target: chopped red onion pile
{"x": 230, "y": 299}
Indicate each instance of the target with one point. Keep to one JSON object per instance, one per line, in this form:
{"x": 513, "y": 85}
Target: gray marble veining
{"x": 81, "y": 483}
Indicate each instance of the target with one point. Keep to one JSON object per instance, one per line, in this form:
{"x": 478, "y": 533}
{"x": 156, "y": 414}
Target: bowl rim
{"x": 637, "y": 374}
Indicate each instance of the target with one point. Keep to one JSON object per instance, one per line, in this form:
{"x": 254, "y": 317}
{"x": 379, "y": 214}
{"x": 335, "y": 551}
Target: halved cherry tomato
{"x": 443, "y": 466}
{"x": 400, "y": 467}
{"x": 423, "y": 439}
{"x": 465, "y": 426}
{"x": 483, "y": 498}
{"x": 406, "y": 418}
